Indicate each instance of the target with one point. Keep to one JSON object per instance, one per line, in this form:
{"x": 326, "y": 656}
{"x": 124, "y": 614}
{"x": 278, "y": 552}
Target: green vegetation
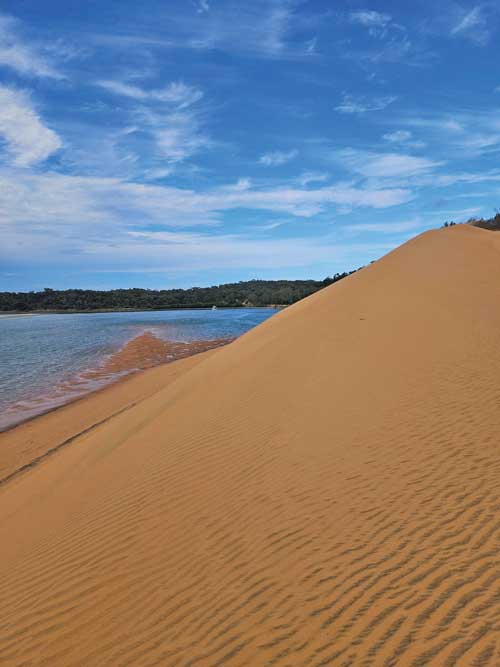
{"x": 233, "y": 295}
{"x": 493, "y": 224}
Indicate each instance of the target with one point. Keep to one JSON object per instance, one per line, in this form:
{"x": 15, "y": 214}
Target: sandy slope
{"x": 324, "y": 491}
{"x": 35, "y": 439}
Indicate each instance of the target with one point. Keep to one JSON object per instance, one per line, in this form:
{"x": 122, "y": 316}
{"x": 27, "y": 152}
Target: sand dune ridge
{"x": 323, "y": 491}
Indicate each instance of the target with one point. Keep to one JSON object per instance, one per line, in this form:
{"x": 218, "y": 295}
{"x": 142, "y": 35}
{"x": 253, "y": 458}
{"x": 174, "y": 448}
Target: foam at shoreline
{"x": 144, "y": 351}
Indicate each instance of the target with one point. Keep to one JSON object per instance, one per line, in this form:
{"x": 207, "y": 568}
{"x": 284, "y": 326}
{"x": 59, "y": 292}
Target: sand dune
{"x": 323, "y": 491}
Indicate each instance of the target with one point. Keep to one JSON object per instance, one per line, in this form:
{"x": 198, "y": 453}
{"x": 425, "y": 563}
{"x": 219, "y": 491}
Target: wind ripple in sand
{"x": 272, "y": 507}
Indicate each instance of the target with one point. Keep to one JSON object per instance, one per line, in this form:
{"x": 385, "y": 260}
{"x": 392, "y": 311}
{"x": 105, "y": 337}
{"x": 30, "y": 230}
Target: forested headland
{"x": 251, "y": 293}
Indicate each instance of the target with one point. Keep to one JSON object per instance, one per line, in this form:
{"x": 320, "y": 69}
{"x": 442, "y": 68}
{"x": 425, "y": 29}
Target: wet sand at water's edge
{"x": 160, "y": 361}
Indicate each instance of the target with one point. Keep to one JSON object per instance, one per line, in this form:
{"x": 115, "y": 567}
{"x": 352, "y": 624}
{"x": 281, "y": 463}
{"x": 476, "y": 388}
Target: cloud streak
{"x": 21, "y": 56}
{"x": 27, "y": 139}
{"x": 119, "y": 225}
{"x": 278, "y": 158}
{"x": 352, "y": 104}
{"x": 383, "y": 166}
{"x": 472, "y": 25}
{"x": 176, "y": 93}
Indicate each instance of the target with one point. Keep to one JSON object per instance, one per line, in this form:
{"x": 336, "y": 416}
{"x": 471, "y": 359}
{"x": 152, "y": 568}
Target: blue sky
{"x": 163, "y": 144}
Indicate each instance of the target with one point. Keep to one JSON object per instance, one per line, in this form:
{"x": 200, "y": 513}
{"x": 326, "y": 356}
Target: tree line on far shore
{"x": 251, "y": 293}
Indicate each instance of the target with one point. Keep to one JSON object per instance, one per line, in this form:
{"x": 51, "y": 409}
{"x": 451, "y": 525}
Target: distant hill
{"x": 232, "y": 295}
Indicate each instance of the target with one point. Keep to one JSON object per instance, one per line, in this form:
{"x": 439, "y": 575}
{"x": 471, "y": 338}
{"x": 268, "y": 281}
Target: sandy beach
{"x": 322, "y": 491}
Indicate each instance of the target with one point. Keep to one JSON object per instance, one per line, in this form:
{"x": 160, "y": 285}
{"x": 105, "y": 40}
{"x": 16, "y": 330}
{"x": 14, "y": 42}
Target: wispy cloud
{"x": 471, "y": 133}
{"x": 403, "y": 137}
{"x": 277, "y": 158}
{"x": 27, "y": 139}
{"x": 165, "y": 115}
{"x": 398, "y": 136}
{"x": 309, "y": 177}
{"x": 472, "y": 25}
{"x": 388, "y": 42}
{"x": 25, "y": 58}
{"x": 376, "y": 22}
{"x": 30, "y": 198}
{"x": 260, "y": 29}
{"x": 179, "y": 136}
{"x": 103, "y": 229}
{"x": 438, "y": 122}
{"x": 358, "y": 105}
{"x": 177, "y": 92}
{"x": 380, "y": 166}
{"x": 385, "y": 227}
{"x": 202, "y": 6}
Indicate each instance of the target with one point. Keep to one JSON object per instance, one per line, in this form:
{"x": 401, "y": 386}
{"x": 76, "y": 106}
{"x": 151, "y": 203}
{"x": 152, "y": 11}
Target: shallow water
{"x": 41, "y": 356}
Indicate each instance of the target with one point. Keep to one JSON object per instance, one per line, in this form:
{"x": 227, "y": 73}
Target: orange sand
{"x": 143, "y": 351}
{"x": 24, "y": 445}
{"x": 323, "y": 491}
{"x": 147, "y": 350}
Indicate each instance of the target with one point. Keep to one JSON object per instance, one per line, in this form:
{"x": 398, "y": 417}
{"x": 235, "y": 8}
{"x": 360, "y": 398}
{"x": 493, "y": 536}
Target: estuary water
{"x": 43, "y": 358}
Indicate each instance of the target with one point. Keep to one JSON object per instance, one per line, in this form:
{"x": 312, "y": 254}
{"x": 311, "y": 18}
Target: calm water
{"x": 40, "y": 352}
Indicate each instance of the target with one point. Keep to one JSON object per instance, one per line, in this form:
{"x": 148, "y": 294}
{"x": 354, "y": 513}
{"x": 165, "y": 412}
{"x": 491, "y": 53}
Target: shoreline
{"x": 28, "y": 442}
{"x": 18, "y": 313}
{"x": 138, "y": 354}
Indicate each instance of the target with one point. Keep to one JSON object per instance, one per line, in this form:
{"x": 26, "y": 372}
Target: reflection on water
{"x": 45, "y": 360}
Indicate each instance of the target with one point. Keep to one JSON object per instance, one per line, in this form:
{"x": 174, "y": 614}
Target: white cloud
{"x": 385, "y": 227}
{"x": 403, "y": 137}
{"x": 121, "y": 88}
{"x": 24, "y": 58}
{"x": 202, "y": 6}
{"x": 379, "y": 166}
{"x": 352, "y": 104}
{"x": 43, "y": 199}
{"x": 176, "y": 93}
{"x": 27, "y": 139}
{"x": 310, "y": 45}
{"x": 399, "y": 136}
{"x": 241, "y": 185}
{"x": 157, "y": 174}
{"x": 370, "y": 18}
{"x": 165, "y": 253}
{"x": 472, "y": 25}
{"x": 312, "y": 177}
{"x": 174, "y": 126}
{"x": 376, "y": 22}
{"x": 277, "y": 158}
{"x": 261, "y": 29}
{"x": 465, "y": 133}
{"x": 178, "y": 136}
{"x": 101, "y": 222}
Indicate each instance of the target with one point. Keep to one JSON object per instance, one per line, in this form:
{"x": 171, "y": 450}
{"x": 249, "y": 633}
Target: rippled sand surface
{"x": 323, "y": 491}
